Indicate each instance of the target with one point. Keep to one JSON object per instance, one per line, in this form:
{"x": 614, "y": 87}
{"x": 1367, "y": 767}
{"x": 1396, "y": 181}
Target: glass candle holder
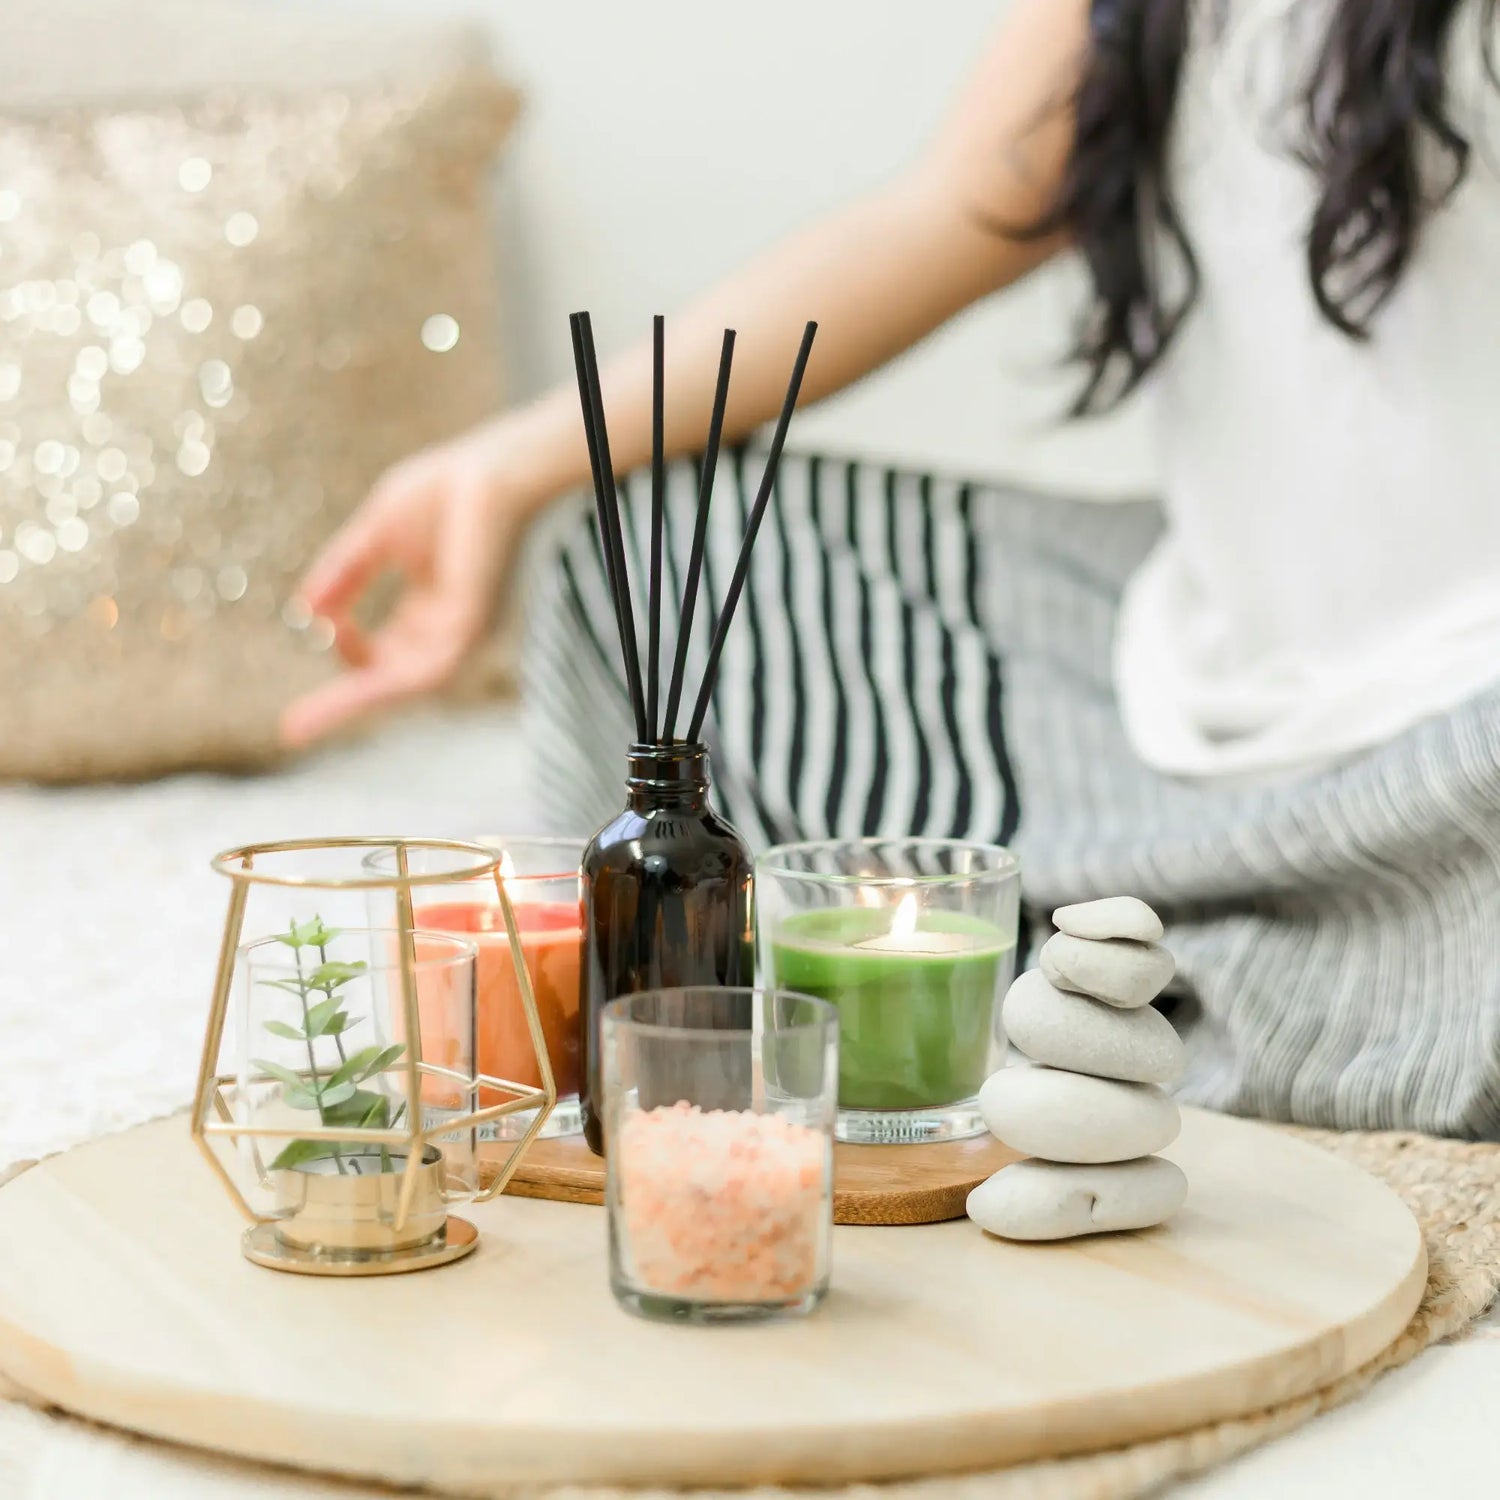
{"x": 719, "y": 1110}
{"x": 913, "y": 942}
{"x": 323, "y": 1049}
{"x": 541, "y": 878}
{"x": 339, "y": 1097}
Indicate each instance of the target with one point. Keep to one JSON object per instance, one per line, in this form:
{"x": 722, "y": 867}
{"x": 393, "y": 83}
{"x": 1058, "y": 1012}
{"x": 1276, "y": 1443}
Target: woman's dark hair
{"x": 1375, "y": 131}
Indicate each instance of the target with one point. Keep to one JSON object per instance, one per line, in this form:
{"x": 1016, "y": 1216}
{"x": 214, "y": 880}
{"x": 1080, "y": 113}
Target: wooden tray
{"x": 124, "y": 1297}
{"x": 871, "y": 1184}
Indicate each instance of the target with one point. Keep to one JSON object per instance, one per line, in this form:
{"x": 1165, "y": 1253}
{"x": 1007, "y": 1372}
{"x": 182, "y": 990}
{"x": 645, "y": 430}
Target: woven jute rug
{"x": 1452, "y": 1187}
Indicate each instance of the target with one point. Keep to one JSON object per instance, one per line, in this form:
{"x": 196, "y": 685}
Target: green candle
{"x": 915, "y": 996}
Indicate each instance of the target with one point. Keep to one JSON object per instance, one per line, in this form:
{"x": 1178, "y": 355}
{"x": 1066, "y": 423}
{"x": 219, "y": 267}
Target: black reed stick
{"x": 658, "y": 493}
{"x": 757, "y": 513}
{"x": 592, "y": 439}
{"x": 700, "y": 533}
{"x": 608, "y": 502}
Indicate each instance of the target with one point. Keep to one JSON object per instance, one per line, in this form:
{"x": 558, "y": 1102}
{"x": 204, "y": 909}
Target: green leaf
{"x": 291, "y": 986}
{"x": 309, "y": 934}
{"x": 328, "y": 976}
{"x": 295, "y": 936}
{"x": 362, "y": 1107}
{"x": 340, "y": 1022}
{"x": 385, "y": 1059}
{"x": 319, "y": 1015}
{"x": 366, "y": 1063}
{"x": 378, "y": 1115}
{"x": 297, "y": 1152}
{"x": 300, "y": 1096}
{"x": 280, "y": 1028}
{"x": 354, "y": 1066}
{"x": 284, "y": 1075}
{"x": 334, "y": 1096}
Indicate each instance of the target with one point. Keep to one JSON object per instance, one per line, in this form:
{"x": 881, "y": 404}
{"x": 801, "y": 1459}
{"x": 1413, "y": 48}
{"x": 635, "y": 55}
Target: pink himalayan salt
{"x": 728, "y": 1206}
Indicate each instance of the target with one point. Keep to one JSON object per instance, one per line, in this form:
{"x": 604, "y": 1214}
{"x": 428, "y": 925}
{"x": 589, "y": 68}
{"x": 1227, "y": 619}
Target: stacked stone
{"x": 1090, "y": 1107}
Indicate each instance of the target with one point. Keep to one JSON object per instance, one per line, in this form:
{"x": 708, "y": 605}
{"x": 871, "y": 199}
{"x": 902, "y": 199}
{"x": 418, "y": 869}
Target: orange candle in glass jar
{"x": 551, "y": 935}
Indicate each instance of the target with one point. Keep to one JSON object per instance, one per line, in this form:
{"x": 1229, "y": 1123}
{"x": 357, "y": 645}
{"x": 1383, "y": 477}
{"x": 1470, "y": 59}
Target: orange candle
{"x": 551, "y": 941}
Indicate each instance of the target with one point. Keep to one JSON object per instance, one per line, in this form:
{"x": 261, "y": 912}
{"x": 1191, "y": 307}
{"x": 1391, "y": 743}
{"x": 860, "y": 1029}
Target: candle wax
{"x": 551, "y": 935}
{"x": 916, "y": 1011}
{"x": 917, "y": 942}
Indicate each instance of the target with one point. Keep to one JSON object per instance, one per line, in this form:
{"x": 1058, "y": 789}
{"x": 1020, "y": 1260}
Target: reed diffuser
{"x": 667, "y": 883}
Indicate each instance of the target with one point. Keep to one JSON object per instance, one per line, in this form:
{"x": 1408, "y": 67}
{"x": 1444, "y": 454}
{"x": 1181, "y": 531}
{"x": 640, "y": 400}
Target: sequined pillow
{"x": 219, "y": 320}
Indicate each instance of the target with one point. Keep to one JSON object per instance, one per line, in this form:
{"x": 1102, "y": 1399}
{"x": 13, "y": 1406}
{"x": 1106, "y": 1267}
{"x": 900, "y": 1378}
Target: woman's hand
{"x": 446, "y": 520}
{"x": 877, "y": 276}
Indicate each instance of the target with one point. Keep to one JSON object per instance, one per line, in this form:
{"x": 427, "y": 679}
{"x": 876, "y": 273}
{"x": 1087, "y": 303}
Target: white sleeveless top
{"x": 1331, "y": 572}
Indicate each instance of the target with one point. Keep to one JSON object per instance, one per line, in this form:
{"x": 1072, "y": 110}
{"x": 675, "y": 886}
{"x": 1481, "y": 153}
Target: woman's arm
{"x": 878, "y": 276}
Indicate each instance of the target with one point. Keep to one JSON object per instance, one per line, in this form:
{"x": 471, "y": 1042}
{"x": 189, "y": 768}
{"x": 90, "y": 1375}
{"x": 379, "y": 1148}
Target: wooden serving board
{"x": 124, "y": 1297}
{"x": 871, "y": 1184}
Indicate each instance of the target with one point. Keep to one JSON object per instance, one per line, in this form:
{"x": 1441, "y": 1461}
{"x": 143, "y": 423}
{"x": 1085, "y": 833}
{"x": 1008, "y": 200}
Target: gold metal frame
{"x": 240, "y": 866}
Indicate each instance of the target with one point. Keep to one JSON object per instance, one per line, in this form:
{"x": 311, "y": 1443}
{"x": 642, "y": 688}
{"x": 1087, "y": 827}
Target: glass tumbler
{"x": 541, "y": 878}
{"x": 913, "y": 942}
{"x": 719, "y": 1113}
{"x": 325, "y": 1075}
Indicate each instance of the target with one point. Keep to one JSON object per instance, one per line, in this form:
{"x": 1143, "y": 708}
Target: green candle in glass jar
{"x": 915, "y": 994}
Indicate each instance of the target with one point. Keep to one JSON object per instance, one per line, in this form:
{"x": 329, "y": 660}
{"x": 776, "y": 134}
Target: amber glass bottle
{"x": 666, "y": 902}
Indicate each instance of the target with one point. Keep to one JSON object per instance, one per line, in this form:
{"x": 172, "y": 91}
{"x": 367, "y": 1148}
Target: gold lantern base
{"x": 338, "y": 1216}
{"x": 265, "y": 1247}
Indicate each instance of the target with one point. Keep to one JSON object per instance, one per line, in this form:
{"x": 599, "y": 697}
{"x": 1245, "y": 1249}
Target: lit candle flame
{"x": 904, "y": 923}
{"x": 507, "y": 866}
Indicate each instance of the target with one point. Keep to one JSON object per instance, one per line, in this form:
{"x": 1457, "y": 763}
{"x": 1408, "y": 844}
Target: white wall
{"x": 664, "y": 140}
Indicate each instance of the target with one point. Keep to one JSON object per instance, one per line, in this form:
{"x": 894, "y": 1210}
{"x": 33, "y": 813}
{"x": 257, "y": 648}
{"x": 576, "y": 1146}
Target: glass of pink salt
{"x": 719, "y": 1113}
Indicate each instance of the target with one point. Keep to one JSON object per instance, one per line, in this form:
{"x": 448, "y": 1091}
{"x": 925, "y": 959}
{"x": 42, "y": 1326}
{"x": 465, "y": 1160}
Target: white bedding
{"x": 109, "y": 922}
{"x": 110, "y": 916}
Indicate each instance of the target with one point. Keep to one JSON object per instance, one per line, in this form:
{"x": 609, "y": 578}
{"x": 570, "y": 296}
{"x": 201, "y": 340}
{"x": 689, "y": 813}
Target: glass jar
{"x": 719, "y": 1111}
{"x": 913, "y": 942}
{"x": 324, "y": 1050}
{"x": 541, "y": 877}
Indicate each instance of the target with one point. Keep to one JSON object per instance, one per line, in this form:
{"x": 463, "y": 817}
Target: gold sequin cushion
{"x": 219, "y": 320}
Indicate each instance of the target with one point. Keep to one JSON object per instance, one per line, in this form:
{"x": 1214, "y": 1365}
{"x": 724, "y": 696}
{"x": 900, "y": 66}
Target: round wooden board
{"x": 871, "y": 1184}
{"x": 124, "y": 1297}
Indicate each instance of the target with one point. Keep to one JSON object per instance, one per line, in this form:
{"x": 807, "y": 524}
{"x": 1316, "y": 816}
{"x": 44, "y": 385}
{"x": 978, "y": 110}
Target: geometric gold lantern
{"x": 339, "y": 1099}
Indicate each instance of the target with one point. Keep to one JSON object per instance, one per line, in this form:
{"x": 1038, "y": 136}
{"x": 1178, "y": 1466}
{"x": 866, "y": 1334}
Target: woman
{"x": 1276, "y": 717}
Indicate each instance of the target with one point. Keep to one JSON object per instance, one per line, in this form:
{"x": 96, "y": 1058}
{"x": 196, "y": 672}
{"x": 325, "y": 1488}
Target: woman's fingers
{"x": 347, "y": 565}
{"x": 438, "y": 529}
{"x": 364, "y": 545}
{"x": 351, "y": 643}
{"x": 341, "y": 700}
{"x": 418, "y": 649}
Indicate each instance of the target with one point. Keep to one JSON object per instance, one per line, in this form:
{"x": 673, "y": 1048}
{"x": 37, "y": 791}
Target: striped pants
{"x": 915, "y": 655}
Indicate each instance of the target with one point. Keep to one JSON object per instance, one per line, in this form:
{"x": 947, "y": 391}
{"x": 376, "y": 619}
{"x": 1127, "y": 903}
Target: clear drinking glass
{"x": 719, "y": 1108}
{"x": 319, "y": 1046}
{"x": 542, "y": 879}
{"x": 913, "y": 942}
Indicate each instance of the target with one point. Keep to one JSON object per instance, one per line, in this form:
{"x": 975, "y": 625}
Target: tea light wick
{"x": 904, "y": 936}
